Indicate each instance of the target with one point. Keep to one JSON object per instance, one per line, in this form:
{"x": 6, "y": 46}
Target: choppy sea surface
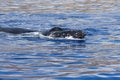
{"x": 31, "y": 57}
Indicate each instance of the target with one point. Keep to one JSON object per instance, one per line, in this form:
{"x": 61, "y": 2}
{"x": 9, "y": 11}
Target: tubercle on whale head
{"x": 83, "y": 34}
{"x": 78, "y": 34}
{"x": 68, "y": 33}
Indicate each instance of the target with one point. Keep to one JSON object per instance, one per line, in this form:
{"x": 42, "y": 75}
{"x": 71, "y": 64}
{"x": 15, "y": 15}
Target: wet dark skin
{"x": 55, "y": 32}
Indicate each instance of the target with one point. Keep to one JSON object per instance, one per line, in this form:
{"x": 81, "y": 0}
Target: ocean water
{"x": 32, "y": 57}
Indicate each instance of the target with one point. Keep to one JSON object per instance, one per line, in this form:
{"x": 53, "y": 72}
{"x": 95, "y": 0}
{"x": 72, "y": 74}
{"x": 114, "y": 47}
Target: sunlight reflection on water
{"x": 40, "y": 6}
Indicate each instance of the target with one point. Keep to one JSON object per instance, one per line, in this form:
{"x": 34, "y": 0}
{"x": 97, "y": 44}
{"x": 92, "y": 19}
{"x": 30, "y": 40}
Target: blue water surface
{"x": 97, "y": 57}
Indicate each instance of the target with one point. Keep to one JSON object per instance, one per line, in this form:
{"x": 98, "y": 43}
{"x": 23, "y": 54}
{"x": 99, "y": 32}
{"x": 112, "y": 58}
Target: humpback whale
{"x": 55, "y": 32}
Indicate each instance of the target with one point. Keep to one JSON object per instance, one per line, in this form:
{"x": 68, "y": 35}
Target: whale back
{"x": 15, "y": 30}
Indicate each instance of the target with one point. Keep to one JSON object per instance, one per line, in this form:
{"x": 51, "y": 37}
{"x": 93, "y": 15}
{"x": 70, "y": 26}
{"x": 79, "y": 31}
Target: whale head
{"x": 68, "y": 33}
{"x": 58, "y": 32}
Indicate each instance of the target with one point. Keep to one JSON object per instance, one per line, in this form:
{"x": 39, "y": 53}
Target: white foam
{"x": 50, "y": 37}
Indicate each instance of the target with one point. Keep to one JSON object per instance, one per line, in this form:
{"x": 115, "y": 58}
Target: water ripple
{"x": 96, "y": 57}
